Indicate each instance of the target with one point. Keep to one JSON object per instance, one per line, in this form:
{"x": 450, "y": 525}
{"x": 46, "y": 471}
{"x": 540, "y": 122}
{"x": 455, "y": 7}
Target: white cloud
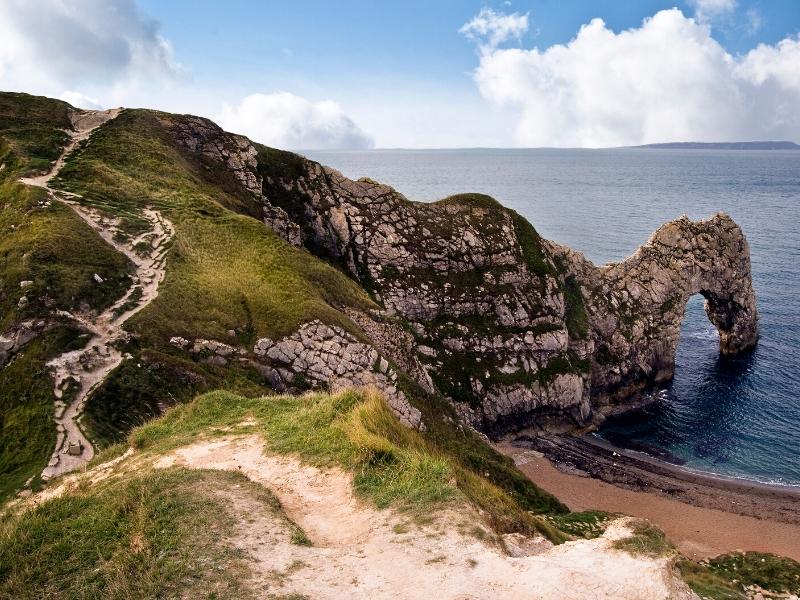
{"x": 492, "y": 28}
{"x": 81, "y": 100}
{"x": 754, "y": 21}
{"x": 667, "y": 80}
{"x": 708, "y": 10}
{"x": 55, "y": 45}
{"x": 284, "y": 120}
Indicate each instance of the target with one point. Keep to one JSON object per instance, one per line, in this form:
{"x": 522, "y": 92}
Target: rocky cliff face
{"x": 512, "y": 329}
{"x": 636, "y": 307}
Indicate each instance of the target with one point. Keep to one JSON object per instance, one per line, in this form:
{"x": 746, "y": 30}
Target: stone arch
{"x": 637, "y": 316}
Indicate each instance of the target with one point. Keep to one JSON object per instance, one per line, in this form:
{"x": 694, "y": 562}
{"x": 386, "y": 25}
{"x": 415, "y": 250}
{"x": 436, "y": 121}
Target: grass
{"x": 31, "y": 130}
{"x": 144, "y": 384}
{"x": 56, "y": 250}
{"x": 162, "y": 534}
{"x": 587, "y": 524}
{"x": 27, "y": 432}
{"x": 354, "y": 430}
{"x": 727, "y": 576}
{"x": 226, "y": 270}
{"x": 576, "y": 318}
{"x": 707, "y": 584}
{"x": 47, "y": 244}
{"x": 645, "y": 539}
{"x": 392, "y": 465}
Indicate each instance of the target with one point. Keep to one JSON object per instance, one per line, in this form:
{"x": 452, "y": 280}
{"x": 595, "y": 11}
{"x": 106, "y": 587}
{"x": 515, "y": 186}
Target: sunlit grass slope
{"x": 51, "y": 249}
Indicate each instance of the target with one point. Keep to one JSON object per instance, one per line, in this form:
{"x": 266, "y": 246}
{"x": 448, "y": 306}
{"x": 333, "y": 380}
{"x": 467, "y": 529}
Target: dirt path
{"x": 78, "y": 372}
{"x": 361, "y": 552}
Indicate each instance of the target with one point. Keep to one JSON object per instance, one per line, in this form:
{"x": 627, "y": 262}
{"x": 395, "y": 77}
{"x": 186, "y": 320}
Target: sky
{"x": 424, "y": 73}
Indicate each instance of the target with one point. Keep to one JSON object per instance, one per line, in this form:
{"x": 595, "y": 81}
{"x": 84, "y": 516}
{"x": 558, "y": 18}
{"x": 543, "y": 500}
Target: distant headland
{"x": 723, "y": 146}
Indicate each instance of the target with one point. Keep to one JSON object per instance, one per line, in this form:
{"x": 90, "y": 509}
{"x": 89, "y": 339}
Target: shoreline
{"x": 703, "y": 514}
{"x": 679, "y": 471}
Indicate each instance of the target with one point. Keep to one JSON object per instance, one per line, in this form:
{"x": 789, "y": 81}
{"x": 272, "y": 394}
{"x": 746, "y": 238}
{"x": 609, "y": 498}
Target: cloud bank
{"x": 668, "y": 80}
{"x": 100, "y": 53}
{"x": 708, "y": 10}
{"x": 52, "y": 46}
{"x": 287, "y": 121}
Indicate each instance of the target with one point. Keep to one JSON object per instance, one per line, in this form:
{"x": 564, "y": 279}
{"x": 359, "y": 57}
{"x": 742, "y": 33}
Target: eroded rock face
{"x": 636, "y": 307}
{"x": 319, "y": 354}
{"x": 513, "y": 329}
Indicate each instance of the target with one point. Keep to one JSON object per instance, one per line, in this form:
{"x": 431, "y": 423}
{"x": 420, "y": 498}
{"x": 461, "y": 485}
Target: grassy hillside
{"x": 46, "y": 244}
{"x": 226, "y": 271}
{"x": 145, "y": 533}
{"x": 357, "y": 431}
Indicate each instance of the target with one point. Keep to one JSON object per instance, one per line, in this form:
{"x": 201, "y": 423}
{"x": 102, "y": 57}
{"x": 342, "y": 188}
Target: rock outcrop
{"x": 515, "y": 330}
{"x": 636, "y": 307}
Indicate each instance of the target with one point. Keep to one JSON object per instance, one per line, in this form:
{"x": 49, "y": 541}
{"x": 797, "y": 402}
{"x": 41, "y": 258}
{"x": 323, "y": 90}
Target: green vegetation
{"x": 487, "y": 478}
{"x": 532, "y": 251}
{"x": 153, "y": 536}
{"x": 454, "y": 378}
{"x": 577, "y": 320}
{"x": 707, "y": 584}
{"x": 726, "y": 577}
{"x": 645, "y": 538}
{"x": 27, "y": 433}
{"x": 226, "y": 270}
{"x": 141, "y": 386}
{"x": 670, "y": 303}
{"x": 48, "y": 244}
{"x": 354, "y": 430}
{"x": 31, "y": 133}
{"x": 588, "y": 524}
{"x": 392, "y": 465}
{"x": 472, "y": 200}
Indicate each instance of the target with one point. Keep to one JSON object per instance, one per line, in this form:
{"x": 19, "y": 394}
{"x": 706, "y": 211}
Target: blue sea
{"x": 735, "y": 417}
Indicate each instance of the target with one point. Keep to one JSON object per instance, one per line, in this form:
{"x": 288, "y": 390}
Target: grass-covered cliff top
{"x": 143, "y": 532}
{"x": 225, "y": 272}
{"x": 138, "y": 524}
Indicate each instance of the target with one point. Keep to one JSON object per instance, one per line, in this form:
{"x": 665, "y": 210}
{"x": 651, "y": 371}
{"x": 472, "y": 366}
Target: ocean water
{"x": 737, "y": 417}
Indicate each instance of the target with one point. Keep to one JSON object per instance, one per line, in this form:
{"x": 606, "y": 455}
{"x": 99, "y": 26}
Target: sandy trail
{"x": 361, "y": 552}
{"x": 81, "y": 371}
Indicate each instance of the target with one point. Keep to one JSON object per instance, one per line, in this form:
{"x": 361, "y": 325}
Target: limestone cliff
{"x": 514, "y": 329}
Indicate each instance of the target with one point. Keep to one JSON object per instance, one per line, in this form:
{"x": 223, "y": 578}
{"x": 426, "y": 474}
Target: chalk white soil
{"x": 361, "y": 552}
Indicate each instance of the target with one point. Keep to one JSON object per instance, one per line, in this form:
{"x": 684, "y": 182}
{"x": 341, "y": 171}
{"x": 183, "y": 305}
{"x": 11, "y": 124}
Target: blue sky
{"x": 402, "y": 74}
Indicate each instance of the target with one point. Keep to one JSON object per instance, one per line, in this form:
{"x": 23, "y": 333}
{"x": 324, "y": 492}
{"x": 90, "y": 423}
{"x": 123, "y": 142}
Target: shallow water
{"x": 738, "y": 417}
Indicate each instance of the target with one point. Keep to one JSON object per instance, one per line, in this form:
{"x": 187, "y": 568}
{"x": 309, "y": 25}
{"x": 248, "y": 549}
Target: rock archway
{"x": 636, "y": 307}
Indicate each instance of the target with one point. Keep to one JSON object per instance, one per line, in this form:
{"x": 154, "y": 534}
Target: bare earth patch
{"x": 361, "y": 552}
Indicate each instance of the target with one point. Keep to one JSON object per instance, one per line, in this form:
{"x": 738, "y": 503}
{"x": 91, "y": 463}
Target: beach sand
{"x": 713, "y": 516}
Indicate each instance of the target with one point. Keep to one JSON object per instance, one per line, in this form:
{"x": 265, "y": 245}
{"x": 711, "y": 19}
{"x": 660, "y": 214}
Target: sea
{"x": 736, "y": 417}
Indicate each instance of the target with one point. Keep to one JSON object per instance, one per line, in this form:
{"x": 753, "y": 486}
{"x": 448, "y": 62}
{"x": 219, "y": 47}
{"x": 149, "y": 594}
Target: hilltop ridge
{"x": 283, "y": 276}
